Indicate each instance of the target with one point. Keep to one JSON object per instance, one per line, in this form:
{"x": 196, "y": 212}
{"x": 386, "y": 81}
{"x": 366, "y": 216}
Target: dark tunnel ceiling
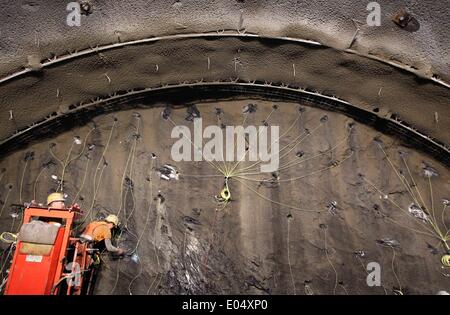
{"x": 397, "y": 73}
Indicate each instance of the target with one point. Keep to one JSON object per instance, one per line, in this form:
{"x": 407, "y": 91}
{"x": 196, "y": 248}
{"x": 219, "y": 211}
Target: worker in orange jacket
{"x": 99, "y": 231}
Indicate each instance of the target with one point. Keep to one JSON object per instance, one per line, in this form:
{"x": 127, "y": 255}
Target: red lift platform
{"x": 43, "y": 273}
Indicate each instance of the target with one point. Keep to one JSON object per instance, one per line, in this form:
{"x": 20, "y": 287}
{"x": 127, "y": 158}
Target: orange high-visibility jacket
{"x": 98, "y": 231}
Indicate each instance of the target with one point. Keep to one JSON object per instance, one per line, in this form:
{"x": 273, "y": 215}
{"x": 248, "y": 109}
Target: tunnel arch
{"x": 120, "y": 71}
{"x": 359, "y": 209}
{"x": 187, "y": 93}
{"x": 131, "y": 56}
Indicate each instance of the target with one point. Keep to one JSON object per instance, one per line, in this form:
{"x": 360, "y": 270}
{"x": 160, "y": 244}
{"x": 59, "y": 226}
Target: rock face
{"x": 321, "y": 46}
{"x": 81, "y": 106}
{"x": 342, "y": 199}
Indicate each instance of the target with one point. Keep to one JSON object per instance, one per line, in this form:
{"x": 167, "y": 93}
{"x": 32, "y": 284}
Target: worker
{"x": 99, "y": 231}
{"x": 56, "y": 201}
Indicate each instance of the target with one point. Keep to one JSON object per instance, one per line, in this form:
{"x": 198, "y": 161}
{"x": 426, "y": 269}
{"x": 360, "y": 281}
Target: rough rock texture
{"x": 39, "y": 27}
{"x": 254, "y": 46}
{"x": 261, "y": 242}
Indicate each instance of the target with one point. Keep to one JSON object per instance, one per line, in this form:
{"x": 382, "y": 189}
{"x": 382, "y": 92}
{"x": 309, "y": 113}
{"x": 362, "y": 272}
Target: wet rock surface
{"x": 331, "y": 211}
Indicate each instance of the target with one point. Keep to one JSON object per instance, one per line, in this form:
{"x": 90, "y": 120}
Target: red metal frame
{"x": 84, "y": 261}
{"x": 53, "y": 265}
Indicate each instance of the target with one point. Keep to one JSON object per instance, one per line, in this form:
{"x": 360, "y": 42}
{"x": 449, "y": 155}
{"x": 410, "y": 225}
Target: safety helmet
{"x": 446, "y": 260}
{"x": 56, "y": 196}
{"x": 112, "y": 218}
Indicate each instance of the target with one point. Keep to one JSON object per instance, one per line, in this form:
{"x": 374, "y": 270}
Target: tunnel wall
{"x": 280, "y": 239}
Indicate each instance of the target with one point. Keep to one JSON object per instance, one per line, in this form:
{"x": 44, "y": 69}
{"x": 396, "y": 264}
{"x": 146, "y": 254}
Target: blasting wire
{"x": 343, "y": 287}
{"x": 118, "y": 238}
{"x": 84, "y": 146}
{"x": 151, "y": 285}
{"x": 230, "y": 173}
{"x": 149, "y": 209}
{"x": 276, "y": 202}
{"x": 413, "y": 181}
{"x": 240, "y": 175}
{"x": 393, "y": 270}
{"x": 82, "y": 182}
{"x": 3, "y": 283}
{"x": 406, "y": 185}
{"x": 130, "y": 176}
{"x": 275, "y": 141}
{"x": 367, "y": 272}
{"x": 94, "y": 197}
{"x": 331, "y": 263}
{"x": 403, "y": 211}
{"x": 133, "y": 198}
{"x": 443, "y": 220}
{"x": 289, "y": 257}
{"x": 300, "y": 141}
{"x": 294, "y": 178}
{"x": 6, "y": 200}
{"x": 95, "y": 184}
{"x": 96, "y": 189}
{"x": 102, "y": 157}
{"x": 55, "y": 157}
{"x": 66, "y": 163}
{"x": 13, "y": 223}
{"x": 125, "y": 173}
{"x": 432, "y": 219}
{"x": 245, "y": 119}
{"x": 196, "y": 147}
{"x": 134, "y": 148}
{"x": 157, "y": 258}
{"x": 137, "y": 276}
{"x": 20, "y": 194}
{"x": 283, "y": 180}
{"x": 432, "y": 202}
{"x": 287, "y": 130}
{"x": 224, "y": 163}
{"x": 157, "y": 283}
{"x": 414, "y": 230}
{"x": 21, "y": 181}
{"x": 287, "y": 165}
{"x": 6, "y": 260}
{"x": 200, "y": 176}
{"x": 36, "y": 181}
{"x": 123, "y": 200}
{"x": 143, "y": 231}
{"x": 117, "y": 277}
{"x": 294, "y": 142}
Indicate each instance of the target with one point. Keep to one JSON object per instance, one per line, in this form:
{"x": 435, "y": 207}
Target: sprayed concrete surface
{"x": 39, "y": 27}
{"x": 35, "y": 37}
{"x": 314, "y": 229}
{"x": 300, "y": 234}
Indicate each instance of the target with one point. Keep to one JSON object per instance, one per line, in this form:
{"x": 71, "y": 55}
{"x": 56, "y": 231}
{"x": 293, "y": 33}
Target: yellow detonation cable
{"x": 8, "y": 237}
